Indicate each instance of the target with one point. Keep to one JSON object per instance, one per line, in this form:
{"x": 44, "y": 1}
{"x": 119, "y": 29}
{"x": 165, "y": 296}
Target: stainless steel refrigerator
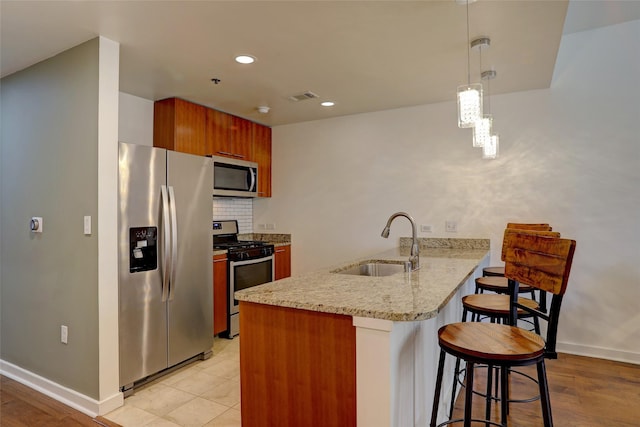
{"x": 165, "y": 267}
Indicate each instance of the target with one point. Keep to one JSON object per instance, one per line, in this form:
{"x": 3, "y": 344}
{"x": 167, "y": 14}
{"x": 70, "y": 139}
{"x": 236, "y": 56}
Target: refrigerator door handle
{"x": 166, "y": 240}
{"x": 174, "y": 242}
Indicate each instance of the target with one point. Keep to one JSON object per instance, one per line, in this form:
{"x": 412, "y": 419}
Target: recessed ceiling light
{"x": 245, "y": 59}
{"x": 328, "y": 103}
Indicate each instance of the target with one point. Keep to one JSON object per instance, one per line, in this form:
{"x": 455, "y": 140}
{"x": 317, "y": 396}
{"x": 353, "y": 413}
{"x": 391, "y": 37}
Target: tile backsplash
{"x": 240, "y": 209}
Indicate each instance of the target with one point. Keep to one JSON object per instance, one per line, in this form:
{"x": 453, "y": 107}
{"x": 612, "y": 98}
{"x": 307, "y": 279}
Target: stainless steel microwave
{"x": 234, "y": 178}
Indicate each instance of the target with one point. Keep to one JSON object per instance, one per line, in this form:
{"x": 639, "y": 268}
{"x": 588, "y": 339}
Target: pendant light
{"x": 490, "y": 142}
{"x": 469, "y": 95}
{"x": 483, "y": 126}
{"x": 490, "y": 150}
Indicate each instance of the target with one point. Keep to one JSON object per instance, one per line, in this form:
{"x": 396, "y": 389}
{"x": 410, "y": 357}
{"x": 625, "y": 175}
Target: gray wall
{"x": 50, "y": 168}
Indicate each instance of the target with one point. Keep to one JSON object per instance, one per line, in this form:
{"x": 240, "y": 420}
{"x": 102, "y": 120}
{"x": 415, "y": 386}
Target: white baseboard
{"x": 599, "y": 352}
{"x": 72, "y": 398}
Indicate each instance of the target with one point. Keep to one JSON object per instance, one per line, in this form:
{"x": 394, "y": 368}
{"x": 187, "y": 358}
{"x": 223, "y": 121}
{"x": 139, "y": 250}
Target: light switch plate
{"x": 87, "y": 225}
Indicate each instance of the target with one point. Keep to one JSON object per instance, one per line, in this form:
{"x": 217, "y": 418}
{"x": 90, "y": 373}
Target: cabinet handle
{"x": 240, "y": 156}
{"x": 225, "y": 153}
{"x": 220, "y": 260}
{"x": 279, "y": 251}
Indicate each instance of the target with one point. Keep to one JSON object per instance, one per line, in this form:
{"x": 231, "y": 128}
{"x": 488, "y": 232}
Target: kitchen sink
{"x": 376, "y": 268}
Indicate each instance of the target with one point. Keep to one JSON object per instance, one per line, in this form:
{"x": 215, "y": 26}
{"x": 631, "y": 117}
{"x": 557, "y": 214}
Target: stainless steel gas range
{"x": 250, "y": 263}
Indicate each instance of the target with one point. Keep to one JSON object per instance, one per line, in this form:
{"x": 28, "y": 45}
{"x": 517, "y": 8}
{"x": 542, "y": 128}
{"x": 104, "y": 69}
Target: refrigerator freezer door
{"x": 143, "y": 315}
{"x": 191, "y": 293}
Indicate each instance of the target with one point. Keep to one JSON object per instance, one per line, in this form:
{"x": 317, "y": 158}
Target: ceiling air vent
{"x": 303, "y": 96}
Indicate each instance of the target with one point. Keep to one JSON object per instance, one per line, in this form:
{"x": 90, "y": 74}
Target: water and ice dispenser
{"x": 143, "y": 249}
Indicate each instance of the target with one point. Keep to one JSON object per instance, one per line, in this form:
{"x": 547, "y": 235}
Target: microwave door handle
{"x": 166, "y": 240}
{"x": 174, "y": 242}
{"x": 252, "y": 187}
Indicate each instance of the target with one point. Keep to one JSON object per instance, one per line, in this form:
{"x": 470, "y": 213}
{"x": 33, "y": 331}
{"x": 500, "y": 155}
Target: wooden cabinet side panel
{"x": 262, "y": 156}
{"x": 298, "y": 368}
{"x": 164, "y": 124}
{"x": 220, "y": 294}
{"x": 282, "y": 262}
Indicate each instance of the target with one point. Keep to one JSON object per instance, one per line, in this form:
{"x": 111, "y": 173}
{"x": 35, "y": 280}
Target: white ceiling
{"x": 364, "y": 55}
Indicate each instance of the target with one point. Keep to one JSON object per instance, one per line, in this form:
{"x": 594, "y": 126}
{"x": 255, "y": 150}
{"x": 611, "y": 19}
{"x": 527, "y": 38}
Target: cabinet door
{"x": 180, "y": 125}
{"x": 241, "y": 138}
{"x": 262, "y": 156}
{"x": 282, "y": 262}
{"x": 220, "y": 294}
{"x": 218, "y": 133}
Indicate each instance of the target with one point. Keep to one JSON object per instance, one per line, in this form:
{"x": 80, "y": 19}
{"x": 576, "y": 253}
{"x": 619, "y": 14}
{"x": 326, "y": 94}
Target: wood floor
{"x": 585, "y": 392}
{"x": 21, "y": 406}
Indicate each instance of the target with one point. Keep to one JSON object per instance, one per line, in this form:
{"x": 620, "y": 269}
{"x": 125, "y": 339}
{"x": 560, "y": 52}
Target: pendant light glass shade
{"x": 469, "y": 105}
{"x": 482, "y": 131}
{"x": 490, "y": 150}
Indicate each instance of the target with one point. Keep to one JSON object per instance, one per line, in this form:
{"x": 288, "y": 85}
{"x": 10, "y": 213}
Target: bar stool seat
{"x": 495, "y": 306}
{"x": 493, "y": 271}
{"x": 499, "y": 285}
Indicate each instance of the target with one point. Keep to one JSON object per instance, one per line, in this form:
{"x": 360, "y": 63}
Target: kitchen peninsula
{"x": 332, "y": 349}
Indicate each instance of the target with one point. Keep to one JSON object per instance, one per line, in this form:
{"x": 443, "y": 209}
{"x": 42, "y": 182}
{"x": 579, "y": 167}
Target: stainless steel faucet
{"x": 414, "y": 259}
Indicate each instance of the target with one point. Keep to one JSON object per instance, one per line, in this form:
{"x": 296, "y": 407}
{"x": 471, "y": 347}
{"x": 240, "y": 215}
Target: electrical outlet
{"x": 451, "y": 226}
{"x": 270, "y": 226}
{"x": 426, "y": 228}
{"x": 64, "y": 334}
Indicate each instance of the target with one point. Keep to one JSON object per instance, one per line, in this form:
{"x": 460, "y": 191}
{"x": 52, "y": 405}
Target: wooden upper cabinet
{"x": 217, "y": 134}
{"x": 241, "y": 136}
{"x": 180, "y": 125}
{"x": 262, "y": 156}
{"x": 228, "y": 135}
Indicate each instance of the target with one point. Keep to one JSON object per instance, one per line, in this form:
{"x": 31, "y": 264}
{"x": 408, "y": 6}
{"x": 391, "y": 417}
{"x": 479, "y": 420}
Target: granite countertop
{"x": 417, "y": 295}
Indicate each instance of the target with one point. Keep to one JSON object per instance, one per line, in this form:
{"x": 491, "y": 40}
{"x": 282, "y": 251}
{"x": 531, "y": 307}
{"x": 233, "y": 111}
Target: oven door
{"x": 243, "y": 275}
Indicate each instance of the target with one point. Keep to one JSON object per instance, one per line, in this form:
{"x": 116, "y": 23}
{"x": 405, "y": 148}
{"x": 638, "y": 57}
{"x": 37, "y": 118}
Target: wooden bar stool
{"x": 499, "y": 271}
{"x": 542, "y": 262}
{"x": 496, "y": 309}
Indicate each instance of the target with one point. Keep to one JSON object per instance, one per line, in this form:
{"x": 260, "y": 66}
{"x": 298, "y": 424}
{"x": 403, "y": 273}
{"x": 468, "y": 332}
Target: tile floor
{"x": 203, "y": 394}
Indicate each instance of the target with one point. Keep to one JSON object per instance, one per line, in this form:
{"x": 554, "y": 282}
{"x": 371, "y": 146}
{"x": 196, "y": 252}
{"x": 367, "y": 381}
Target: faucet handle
{"x": 407, "y": 267}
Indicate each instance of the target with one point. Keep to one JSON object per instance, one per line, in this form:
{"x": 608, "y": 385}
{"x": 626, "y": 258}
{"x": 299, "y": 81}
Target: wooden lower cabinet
{"x": 282, "y": 262}
{"x": 220, "y": 294}
{"x": 297, "y": 367}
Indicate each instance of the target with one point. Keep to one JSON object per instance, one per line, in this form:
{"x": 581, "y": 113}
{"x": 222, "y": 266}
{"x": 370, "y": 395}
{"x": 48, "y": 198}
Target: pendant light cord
{"x": 488, "y": 98}
{"x": 468, "y": 49}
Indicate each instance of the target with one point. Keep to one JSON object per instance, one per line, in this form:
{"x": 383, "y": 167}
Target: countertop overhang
{"x": 418, "y": 295}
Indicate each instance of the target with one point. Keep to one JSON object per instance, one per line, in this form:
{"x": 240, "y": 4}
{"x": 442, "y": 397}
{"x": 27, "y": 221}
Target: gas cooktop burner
{"x": 241, "y": 244}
